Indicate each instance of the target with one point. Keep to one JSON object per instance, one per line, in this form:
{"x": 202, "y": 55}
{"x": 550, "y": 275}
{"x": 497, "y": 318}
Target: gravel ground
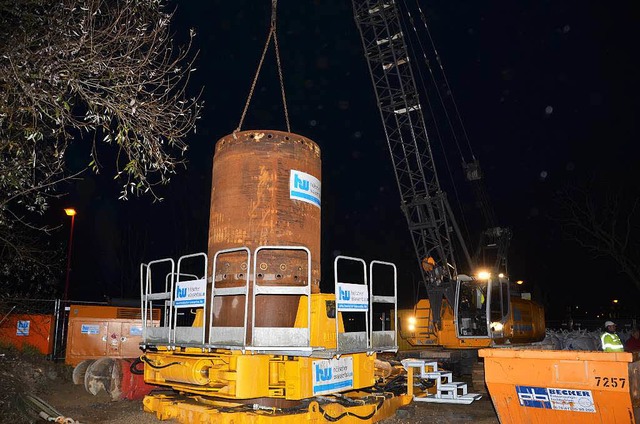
{"x": 480, "y": 412}
{"x": 22, "y": 374}
{"x": 74, "y": 402}
{"x": 99, "y": 409}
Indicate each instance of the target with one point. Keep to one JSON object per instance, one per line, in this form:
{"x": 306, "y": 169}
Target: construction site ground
{"x": 29, "y": 373}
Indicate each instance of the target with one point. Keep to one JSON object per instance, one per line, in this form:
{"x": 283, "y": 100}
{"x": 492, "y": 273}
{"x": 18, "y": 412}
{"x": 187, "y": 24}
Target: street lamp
{"x": 72, "y": 213}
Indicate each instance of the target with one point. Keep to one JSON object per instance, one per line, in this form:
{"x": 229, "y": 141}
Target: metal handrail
{"x": 148, "y": 291}
{"x": 336, "y": 288}
{"x": 373, "y": 298}
{"x": 226, "y": 292}
{"x": 177, "y": 280}
{"x": 304, "y": 291}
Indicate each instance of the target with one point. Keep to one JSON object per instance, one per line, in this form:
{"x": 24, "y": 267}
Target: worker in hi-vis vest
{"x": 610, "y": 340}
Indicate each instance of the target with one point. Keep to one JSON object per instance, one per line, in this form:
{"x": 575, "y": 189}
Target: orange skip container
{"x": 560, "y": 386}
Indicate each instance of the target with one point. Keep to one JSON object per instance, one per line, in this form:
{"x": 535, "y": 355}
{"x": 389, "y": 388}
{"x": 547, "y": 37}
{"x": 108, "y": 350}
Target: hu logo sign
{"x": 23, "y": 328}
{"x": 332, "y": 375}
{"x": 352, "y": 297}
{"x": 190, "y": 293}
{"x": 300, "y": 183}
{"x": 304, "y": 187}
{"x": 323, "y": 374}
{"x": 344, "y": 294}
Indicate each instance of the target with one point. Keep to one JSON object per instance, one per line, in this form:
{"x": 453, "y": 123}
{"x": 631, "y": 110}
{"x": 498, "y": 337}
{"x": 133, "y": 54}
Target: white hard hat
{"x": 608, "y": 323}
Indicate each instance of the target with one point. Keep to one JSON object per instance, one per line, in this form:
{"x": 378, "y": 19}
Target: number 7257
{"x": 610, "y": 382}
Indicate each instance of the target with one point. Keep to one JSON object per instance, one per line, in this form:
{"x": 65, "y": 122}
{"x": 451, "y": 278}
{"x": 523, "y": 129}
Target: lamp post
{"x": 72, "y": 213}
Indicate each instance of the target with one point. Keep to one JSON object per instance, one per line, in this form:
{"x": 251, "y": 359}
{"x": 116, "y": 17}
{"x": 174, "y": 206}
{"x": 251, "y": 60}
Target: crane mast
{"x": 494, "y": 237}
{"x": 423, "y": 202}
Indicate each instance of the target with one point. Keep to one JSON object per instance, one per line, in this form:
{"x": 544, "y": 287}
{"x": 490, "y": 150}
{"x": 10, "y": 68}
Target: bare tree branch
{"x": 604, "y": 220}
{"x": 107, "y": 72}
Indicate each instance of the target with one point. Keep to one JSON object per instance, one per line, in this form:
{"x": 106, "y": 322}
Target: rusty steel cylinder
{"x": 265, "y": 192}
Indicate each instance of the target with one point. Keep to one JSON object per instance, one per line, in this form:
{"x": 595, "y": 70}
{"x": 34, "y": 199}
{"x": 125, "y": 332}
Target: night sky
{"x": 547, "y": 91}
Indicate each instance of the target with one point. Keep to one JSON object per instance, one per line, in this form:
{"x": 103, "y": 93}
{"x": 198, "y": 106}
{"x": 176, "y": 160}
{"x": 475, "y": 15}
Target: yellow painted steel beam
{"x": 191, "y": 410}
{"x": 232, "y": 375}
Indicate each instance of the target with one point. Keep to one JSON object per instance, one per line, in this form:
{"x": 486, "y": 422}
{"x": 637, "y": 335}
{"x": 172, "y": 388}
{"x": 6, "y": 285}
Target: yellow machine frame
{"x": 225, "y": 385}
{"x": 197, "y": 410}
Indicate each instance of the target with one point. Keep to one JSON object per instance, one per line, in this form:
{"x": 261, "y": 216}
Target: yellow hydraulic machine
{"x": 313, "y": 370}
{"x": 246, "y": 334}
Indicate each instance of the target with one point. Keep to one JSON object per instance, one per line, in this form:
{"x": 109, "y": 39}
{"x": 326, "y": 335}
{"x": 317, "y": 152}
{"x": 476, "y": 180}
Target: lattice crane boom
{"x": 422, "y": 200}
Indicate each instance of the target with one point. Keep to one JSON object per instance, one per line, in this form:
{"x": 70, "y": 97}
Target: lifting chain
{"x": 272, "y": 34}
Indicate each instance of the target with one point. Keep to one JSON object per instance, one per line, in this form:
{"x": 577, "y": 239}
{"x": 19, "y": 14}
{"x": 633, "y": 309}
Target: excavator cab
{"x": 471, "y": 307}
{"x": 482, "y": 307}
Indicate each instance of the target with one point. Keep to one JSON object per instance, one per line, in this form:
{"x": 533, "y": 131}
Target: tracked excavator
{"x": 465, "y": 307}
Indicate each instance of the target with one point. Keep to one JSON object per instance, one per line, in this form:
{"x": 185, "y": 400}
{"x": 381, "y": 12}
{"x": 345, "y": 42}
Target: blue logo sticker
{"x": 323, "y": 374}
{"x": 344, "y": 294}
{"x": 181, "y": 292}
{"x": 534, "y": 397}
{"x": 23, "y": 328}
{"x": 304, "y": 187}
{"x": 299, "y": 183}
{"x": 90, "y": 329}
